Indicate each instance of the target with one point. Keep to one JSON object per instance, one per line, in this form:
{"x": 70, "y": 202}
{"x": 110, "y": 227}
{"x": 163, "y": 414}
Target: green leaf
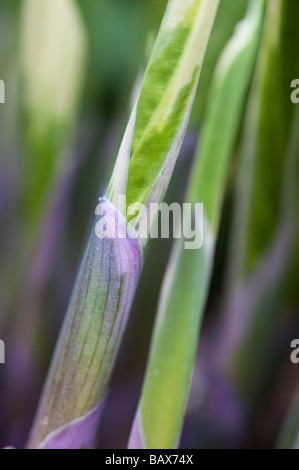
{"x": 267, "y": 134}
{"x": 263, "y": 234}
{"x": 162, "y": 405}
{"x": 228, "y": 15}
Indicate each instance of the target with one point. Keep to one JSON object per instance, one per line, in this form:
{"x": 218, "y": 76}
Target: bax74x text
{"x": 151, "y": 459}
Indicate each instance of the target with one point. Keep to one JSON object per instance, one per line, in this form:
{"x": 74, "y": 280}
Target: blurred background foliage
{"x": 55, "y": 163}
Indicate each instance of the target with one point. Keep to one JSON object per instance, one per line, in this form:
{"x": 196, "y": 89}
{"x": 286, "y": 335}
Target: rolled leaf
{"x": 109, "y": 274}
{"x": 94, "y": 324}
{"x": 164, "y": 103}
{"x": 77, "y": 434}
